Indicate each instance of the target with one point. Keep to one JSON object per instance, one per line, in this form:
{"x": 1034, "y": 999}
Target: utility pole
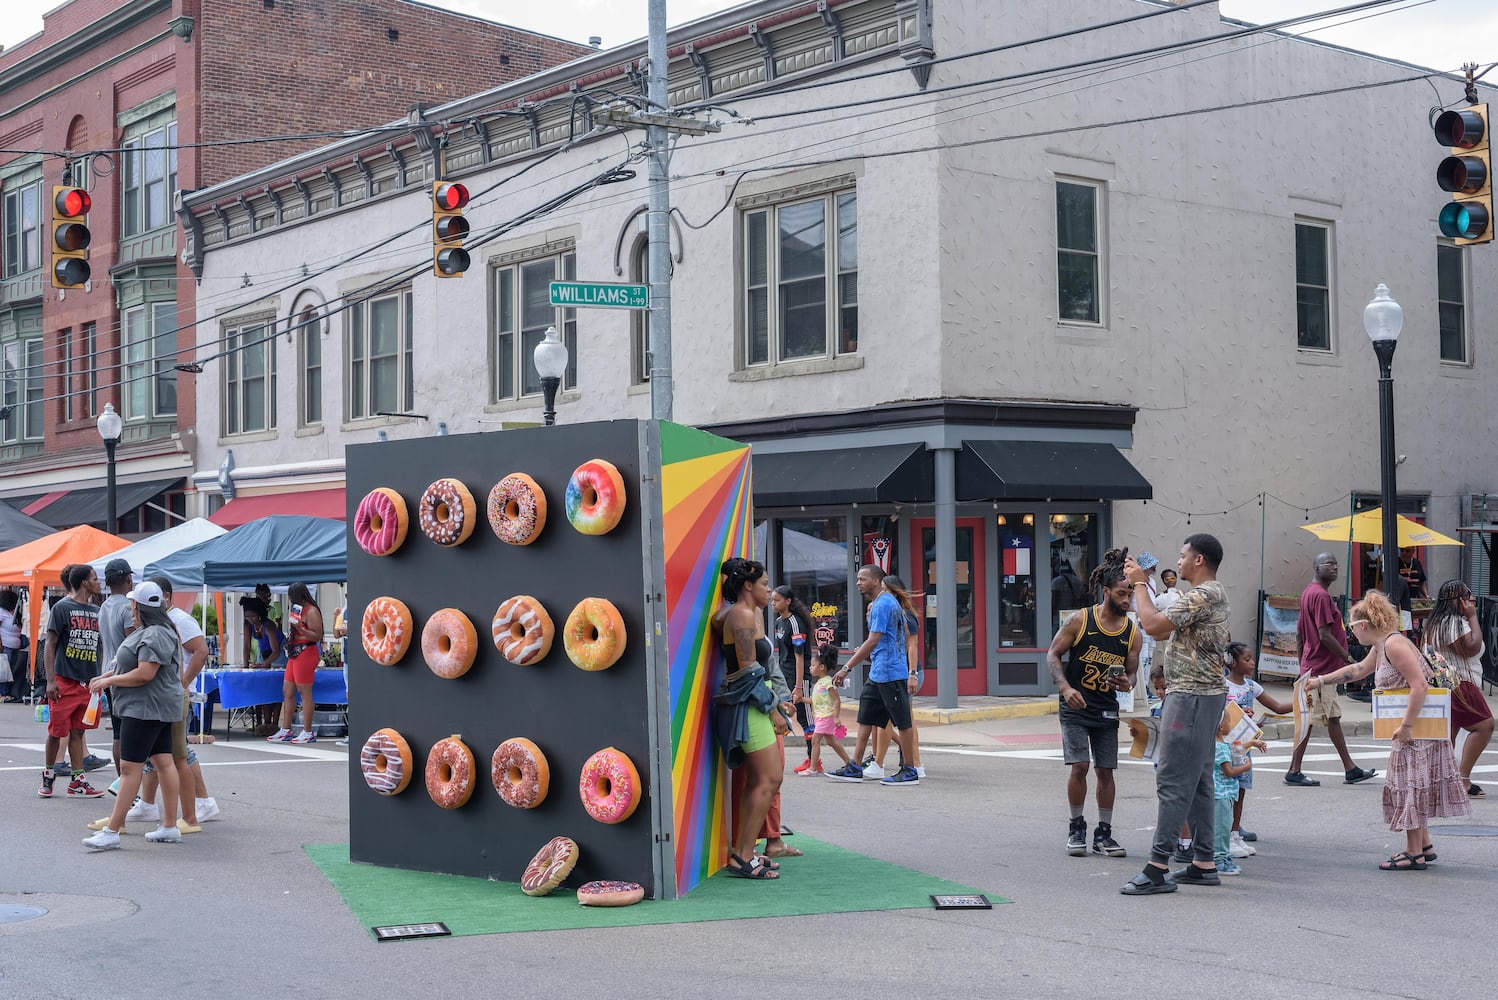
{"x": 658, "y": 221}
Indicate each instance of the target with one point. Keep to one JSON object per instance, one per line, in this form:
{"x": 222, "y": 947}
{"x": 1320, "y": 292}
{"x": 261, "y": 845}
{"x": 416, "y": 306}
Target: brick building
{"x": 141, "y": 99}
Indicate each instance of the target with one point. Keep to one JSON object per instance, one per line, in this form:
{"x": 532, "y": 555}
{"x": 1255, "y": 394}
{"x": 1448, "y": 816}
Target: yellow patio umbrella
{"x": 1367, "y": 528}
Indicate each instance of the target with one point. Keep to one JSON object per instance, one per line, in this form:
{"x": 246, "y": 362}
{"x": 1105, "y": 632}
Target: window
{"x": 150, "y": 362}
{"x": 801, "y": 280}
{"x": 1313, "y": 291}
{"x": 21, "y": 392}
{"x": 149, "y": 166}
{"x": 249, "y": 380}
{"x": 1078, "y": 262}
{"x": 23, "y": 229}
{"x": 522, "y": 312}
{"x": 91, "y": 371}
{"x": 65, "y": 368}
{"x": 639, "y": 319}
{"x": 1451, "y": 301}
{"x": 814, "y": 562}
{"x": 309, "y": 337}
{"x": 380, "y": 376}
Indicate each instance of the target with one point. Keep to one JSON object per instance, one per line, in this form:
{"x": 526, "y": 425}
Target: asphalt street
{"x": 240, "y": 911}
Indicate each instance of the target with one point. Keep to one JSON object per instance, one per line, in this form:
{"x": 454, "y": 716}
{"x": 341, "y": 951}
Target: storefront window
{"x": 1017, "y": 604}
{"x": 877, "y": 546}
{"x": 1073, "y": 556}
{"x": 814, "y": 562}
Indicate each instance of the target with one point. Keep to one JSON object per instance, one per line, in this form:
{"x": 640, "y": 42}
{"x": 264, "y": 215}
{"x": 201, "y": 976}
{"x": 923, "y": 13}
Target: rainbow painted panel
{"x": 706, "y": 518}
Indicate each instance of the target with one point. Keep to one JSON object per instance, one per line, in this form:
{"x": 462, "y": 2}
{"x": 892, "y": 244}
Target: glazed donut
{"x": 380, "y": 522}
{"x": 385, "y": 762}
{"x": 450, "y": 773}
{"x": 523, "y": 631}
{"x": 610, "y": 893}
{"x": 595, "y": 497}
{"x": 449, "y": 643}
{"x": 386, "y": 630}
{"x": 549, "y": 867}
{"x": 520, "y": 773}
{"x": 517, "y": 509}
{"x": 447, "y": 512}
{"x": 594, "y": 636}
{"x": 609, "y": 786}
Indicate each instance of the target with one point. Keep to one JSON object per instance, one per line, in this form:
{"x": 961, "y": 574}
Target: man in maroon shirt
{"x": 1322, "y": 650}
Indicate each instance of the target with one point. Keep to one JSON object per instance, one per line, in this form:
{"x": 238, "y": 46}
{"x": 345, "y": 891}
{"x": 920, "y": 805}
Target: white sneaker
{"x": 143, "y": 812}
{"x": 920, "y": 772}
{"x": 105, "y": 840}
{"x": 207, "y": 809}
{"x": 280, "y": 736}
{"x": 873, "y": 771}
{"x": 1240, "y": 848}
{"x": 304, "y": 737}
{"x": 165, "y": 835}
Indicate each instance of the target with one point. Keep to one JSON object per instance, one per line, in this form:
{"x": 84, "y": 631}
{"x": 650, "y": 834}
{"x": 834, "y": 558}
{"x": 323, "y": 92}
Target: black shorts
{"x": 884, "y": 702}
{"x": 142, "y": 739}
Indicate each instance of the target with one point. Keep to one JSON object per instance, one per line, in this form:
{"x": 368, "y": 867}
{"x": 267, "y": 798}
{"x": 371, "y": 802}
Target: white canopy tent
{"x": 159, "y": 546}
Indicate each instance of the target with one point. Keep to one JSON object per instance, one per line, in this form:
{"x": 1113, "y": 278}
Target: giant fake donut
{"x": 386, "y": 630}
{"x": 549, "y": 867}
{"x": 450, "y": 773}
{"x": 520, "y": 773}
{"x": 385, "y": 762}
{"x": 517, "y": 509}
{"x": 610, "y": 893}
{"x": 380, "y": 522}
{"x": 595, "y": 497}
{"x": 609, "y": 786}
{"x": 522, "y": 631}
{"x": 594, "y": 635}
{"x": 447, "y": 512}
{"x": 449, "y": 642}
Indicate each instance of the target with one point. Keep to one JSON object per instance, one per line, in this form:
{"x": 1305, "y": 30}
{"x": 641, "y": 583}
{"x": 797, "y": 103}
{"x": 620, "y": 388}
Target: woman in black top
{"x": 792, "y": 622}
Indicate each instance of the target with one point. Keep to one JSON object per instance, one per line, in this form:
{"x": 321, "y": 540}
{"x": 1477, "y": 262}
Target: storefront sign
{"x": 1279, "y": 649}
{"x": 820, "y": 610}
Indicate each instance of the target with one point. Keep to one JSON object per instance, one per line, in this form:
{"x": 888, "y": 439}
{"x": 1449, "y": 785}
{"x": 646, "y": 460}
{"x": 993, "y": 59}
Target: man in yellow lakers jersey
{"x": 1101, "y": 645}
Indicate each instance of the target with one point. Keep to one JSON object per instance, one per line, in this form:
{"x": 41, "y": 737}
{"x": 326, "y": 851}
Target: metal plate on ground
{"x": 974, "y": 902}
{"x": 400, "y": 932}
{"x": 59, "y": 911}
{"x": 1466, "y": 831}
{"x": 11, "y": 914}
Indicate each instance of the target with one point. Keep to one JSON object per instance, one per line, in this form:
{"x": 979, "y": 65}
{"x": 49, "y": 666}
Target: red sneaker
{"x": 80, "y": 789}
{"x": 804, "y": 766}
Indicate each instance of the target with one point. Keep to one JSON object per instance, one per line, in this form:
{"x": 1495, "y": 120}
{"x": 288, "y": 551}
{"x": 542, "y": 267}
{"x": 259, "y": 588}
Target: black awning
{"x": 897, "y": 473}
{"x": 1047, "y": 470}
{"x": 91, "y": 506}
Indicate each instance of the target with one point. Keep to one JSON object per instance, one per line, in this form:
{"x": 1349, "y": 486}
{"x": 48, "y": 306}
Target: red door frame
{"x": 973, "y": 681}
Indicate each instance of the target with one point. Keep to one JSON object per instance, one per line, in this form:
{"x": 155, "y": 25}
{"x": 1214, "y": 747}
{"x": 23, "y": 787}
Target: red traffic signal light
{"x": 70, "y": 236}
{"x": 71, "y": 202}
{"x": 449, "y": 229}
{"x": 1467, "y": 174}
{"x": 449, "y": 197}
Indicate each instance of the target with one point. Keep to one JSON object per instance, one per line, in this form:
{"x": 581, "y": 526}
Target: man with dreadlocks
{"x": 1104, "y": 645}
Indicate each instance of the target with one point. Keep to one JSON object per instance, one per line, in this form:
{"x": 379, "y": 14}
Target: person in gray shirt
{"x": 114, "y": 622}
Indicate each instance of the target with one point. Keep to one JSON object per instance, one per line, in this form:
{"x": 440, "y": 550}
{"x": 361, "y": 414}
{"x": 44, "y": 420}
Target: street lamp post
{"x": 1383, "y": 319}
{"x": 109, "y": 430}
{"x": 550, "y": 358}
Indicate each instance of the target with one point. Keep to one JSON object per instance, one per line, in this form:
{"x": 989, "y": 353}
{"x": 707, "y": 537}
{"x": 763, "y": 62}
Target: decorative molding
{"x": 834, "y": 29}
{"x": 699, "y": 62}
{"x": 192, "y": 237}
{"x": 335, "y": 184}
{"x": 624, "y": 233}
{"x": 306, "y": 193}
{"x": 766, "y": 48}
{"x": 368, "y": 174}
{"x": 917, "y": 37}
{"x": 399, "y": 159}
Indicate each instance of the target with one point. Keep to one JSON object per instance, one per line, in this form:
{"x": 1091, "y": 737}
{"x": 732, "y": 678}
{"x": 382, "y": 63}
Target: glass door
{"x": 968, "y": 604}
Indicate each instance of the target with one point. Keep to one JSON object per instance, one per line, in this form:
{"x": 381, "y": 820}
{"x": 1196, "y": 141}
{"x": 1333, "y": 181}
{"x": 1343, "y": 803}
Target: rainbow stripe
{"x": 706, "y": 518}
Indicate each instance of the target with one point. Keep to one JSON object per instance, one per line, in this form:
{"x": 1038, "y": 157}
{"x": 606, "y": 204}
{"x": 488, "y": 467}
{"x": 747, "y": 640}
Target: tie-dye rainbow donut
{"x": 449, "y": 774}
{"x": 609, "y": 786}
{"x": 517, "y": 509}
{"x": 610, "y": 893}
{"x": 386, "y": 630}
{"x": 380, "y": 522}
{"x": 595, "y": 497}
{"x": 385, "y": 762}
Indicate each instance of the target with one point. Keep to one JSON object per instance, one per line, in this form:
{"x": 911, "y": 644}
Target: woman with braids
{"x": 792, "y": 621}
{"x": 1101, "y": 644}
{"x": 1452, "y": 630}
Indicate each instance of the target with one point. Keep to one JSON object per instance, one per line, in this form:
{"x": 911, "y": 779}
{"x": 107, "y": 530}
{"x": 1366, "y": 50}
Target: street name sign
{"x": 600, "y": 295}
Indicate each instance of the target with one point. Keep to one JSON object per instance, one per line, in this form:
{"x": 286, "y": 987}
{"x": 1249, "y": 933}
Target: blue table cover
{"x": 243, "y": 688}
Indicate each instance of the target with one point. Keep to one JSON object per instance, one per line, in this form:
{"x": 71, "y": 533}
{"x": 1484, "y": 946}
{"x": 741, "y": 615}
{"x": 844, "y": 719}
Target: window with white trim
{"x": 522, "y": 312}
{"x": 23, "y": 228}
{"x": 1313, "y": 285}
{"x": 309, "y": 358}
{"x": 379, "y": 375}
{"x": 800, "y": 279}
{"x": 248, "y": 388}
{"x": 1451, "y": 303}
{"x": 91, "y": 370}
{"x": 21, "y": 390}
{"x": 65, "y": 350}
{"x": 149, "y": 170}
{"x": 1079, "y": 258}
{"x": 150, "y": 361}
{"x": 639, "y": 319}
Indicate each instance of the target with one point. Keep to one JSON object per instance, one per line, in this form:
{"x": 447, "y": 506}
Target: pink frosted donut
{"x": 609, "y": 786}
{"x": 517, "y": 509}
{"x": 380, "y": 522}
{"x": 522, "y": 631}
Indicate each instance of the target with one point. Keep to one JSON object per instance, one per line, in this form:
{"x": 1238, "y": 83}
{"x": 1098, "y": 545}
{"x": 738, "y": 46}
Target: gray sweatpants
{"x": 1183, "y": 781}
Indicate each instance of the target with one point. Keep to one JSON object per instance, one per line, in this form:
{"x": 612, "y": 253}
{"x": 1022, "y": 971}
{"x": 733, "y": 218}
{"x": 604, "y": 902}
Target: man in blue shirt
{"x": 885, "y": 699}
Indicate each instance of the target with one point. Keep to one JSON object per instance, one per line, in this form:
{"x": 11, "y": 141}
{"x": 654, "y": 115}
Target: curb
{"x": 1286, "y": 730}
{"x": 987, "y": 713}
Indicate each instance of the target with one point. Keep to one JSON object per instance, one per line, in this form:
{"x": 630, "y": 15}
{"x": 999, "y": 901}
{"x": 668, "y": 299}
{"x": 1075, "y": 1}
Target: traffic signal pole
{"x": 658, "y": 228}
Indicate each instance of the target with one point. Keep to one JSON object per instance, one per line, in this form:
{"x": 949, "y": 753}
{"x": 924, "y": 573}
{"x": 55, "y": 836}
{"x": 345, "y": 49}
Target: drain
{"x": 16, "y": 914}
{"x": 1467, "y": 831}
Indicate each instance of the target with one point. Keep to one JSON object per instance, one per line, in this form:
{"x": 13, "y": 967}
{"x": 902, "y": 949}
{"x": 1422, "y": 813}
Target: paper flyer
{"x": 1146, "y": 735}
{"x": 1243, "y": 728}
{"x": 1298, "y": 698}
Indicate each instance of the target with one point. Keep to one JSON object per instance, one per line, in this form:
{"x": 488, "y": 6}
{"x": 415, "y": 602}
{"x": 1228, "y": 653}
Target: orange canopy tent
{"x": 38, "y": 565}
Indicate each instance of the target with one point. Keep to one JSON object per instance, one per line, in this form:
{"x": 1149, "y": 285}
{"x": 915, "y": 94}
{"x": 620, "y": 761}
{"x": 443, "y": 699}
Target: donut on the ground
{"x": 609, "y": 786}
{"x": 520, "y": 773}
{"x": 610, "y": 893}
{"x": 450, "y": 773}
{"x": 449, "y": 642}
{"x": 380, "y": 522}
{"x": 549, "y": 867}
{"x": 386, "y": 630}
{"x": 595, "y": 497}
{"x": 385, "y": 762}
{"x": 447, "y": 512}
{"x": 522, "y": 631}
{"x": 517, "y": 509}
{"x": 594, "y": 636}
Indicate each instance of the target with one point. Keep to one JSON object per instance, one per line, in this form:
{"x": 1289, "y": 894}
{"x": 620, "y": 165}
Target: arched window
{"x": 639, "y": 272}
{"x": 309, "y": 364}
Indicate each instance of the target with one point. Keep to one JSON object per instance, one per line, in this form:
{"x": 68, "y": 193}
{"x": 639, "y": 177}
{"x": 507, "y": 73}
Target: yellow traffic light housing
{"x": 449, "y": 228}
{"x": 1468, "y": 174}
{"x": 70, "y": 236}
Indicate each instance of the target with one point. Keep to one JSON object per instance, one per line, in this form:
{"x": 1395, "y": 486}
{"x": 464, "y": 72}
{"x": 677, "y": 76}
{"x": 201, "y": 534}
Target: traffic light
{"x": 1468, "y": 174}
{"x": 70, "y": 236}
{"x": 449, "y": 259}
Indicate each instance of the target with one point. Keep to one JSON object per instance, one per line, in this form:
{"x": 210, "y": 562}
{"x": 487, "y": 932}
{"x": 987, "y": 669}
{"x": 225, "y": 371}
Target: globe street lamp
{"x": 550, "y": 358}
{"x": 109, "y": 430}
{"x": 1383, "y": 319}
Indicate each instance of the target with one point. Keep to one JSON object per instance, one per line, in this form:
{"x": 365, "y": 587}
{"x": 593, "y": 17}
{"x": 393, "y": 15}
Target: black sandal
{"x": 1393, "y": 864}
{"x": 1428, "y": 854}
{"x": 1475, "y": 791}
{"x": 754, "y": 869}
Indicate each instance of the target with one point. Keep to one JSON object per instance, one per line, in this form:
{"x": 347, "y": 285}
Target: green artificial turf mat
{"x": 828, "y": 879}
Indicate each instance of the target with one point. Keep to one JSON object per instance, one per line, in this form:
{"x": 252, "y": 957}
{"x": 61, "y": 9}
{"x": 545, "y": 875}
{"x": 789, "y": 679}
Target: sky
{"x": 1412, "y": 31}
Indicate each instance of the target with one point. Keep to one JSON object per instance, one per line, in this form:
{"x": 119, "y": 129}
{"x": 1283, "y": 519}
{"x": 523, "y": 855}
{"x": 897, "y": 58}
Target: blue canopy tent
{"x": 278, "y": 550}
{"x": 17, "y": 529}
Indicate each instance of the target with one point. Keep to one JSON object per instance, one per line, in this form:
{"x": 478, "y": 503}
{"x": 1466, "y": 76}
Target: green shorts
{"x": 761, "y": 732}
